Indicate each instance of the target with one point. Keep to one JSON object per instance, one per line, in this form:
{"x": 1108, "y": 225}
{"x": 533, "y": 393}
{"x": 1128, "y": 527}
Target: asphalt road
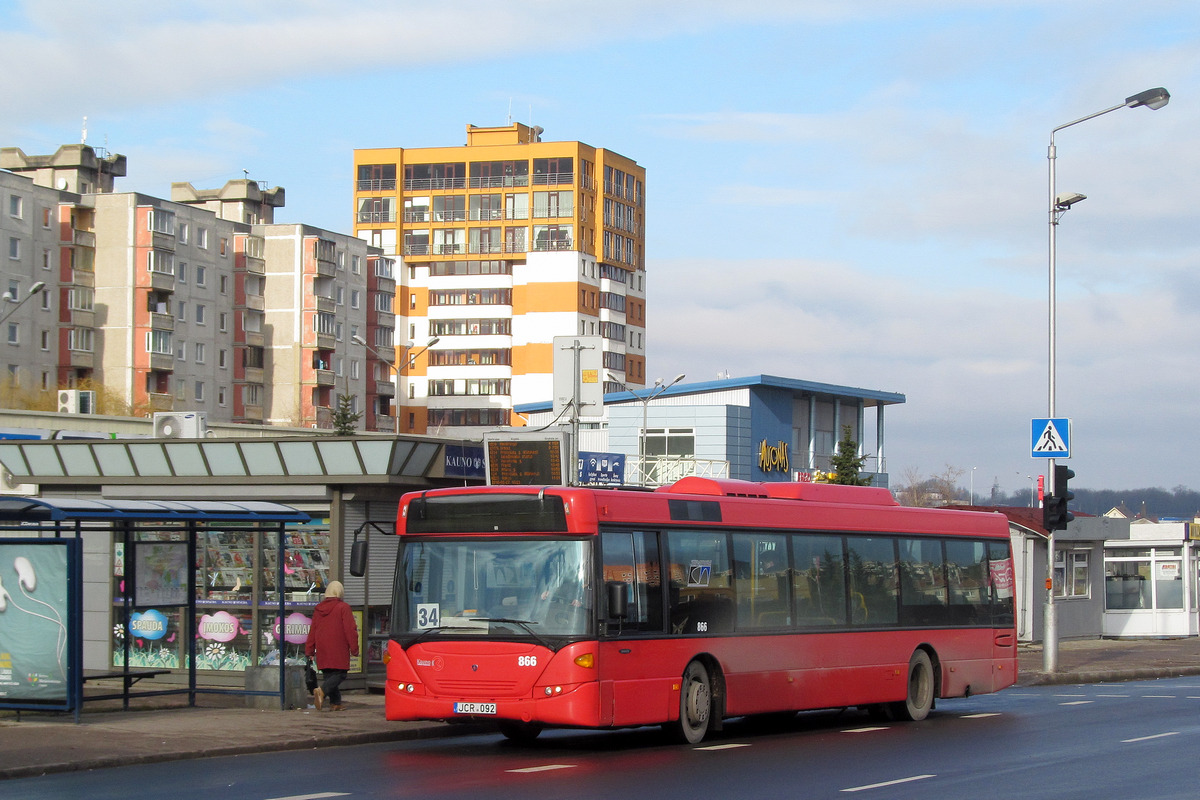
{"x": 1127, "y": 740}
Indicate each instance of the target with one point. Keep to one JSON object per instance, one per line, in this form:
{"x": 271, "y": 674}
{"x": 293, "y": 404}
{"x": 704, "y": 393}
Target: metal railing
{"x": 663, "y": 470}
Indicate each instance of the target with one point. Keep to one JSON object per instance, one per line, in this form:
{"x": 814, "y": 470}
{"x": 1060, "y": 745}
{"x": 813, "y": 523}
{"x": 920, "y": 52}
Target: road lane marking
{"x": 544, "y": 768}
{"x": 722, "y": 746}
{"x": 318, "y": 796}
{"x": 1112, "y": 695}
{"x": 1148, "y": 738}
{"x": 866, "y": 730}
{"x": 888, "y": 783}
{"x": 981, "y": 716}
{"x": 1077, "y": 703}
{"x": 1158, "y": 696}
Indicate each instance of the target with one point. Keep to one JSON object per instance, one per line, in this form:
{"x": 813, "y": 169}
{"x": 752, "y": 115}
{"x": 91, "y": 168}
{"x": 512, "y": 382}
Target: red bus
{"x": 697, "y": 602}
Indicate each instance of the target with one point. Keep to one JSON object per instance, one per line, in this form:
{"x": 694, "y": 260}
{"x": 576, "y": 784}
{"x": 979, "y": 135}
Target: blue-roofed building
{"x": 757, "y": 428}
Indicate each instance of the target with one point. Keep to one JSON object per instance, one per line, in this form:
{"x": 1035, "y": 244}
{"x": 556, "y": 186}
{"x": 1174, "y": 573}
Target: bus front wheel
{"x": 917, "y": 704}
{"x": 695, "y": 704}
{"x": 520, "y": 732}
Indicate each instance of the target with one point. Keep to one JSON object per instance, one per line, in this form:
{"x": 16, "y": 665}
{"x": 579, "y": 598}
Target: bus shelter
{"x": 42, "y": 618}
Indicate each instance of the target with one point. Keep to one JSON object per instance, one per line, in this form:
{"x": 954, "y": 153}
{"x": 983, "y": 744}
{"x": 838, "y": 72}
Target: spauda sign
{"x": 773, "y": 457}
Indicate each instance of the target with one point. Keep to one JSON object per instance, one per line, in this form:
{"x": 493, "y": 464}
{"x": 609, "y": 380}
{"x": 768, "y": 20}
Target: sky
{"x": 845, "y": 191}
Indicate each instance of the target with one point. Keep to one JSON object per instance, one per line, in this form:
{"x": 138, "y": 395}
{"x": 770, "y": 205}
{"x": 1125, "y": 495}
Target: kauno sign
{"x": 773, "y": 457}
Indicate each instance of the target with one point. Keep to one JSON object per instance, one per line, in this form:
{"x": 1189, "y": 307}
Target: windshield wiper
{"x": 524, "y": 623}
{"x": 439, "y": 629}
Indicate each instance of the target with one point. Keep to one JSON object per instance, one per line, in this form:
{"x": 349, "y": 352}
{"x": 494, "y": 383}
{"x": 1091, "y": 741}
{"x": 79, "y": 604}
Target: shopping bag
{"x": 310, "y": 675}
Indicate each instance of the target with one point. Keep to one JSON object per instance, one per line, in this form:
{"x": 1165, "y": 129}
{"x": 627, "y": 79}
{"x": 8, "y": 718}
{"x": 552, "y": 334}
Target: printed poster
{"x": 33, "y": 623}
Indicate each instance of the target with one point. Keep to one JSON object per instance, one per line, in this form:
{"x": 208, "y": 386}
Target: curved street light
{"x": 1152, "y": 99}
{"x": 8, "y": 298}
{"x": 409, "y": 356}
{"x": 654, "y": 391}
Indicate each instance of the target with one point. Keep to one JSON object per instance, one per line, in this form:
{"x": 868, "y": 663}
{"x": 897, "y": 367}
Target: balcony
{"x": 376, "y": 217}
{"x": 256, "y": 302}
{"x": 83, "y": 238}
{"x": 81, "y": 359}
{"x": 326, "y": 304}
{"x": 252, "y": 413}
{"x": 162, "y": 322}
{"x": 545, "y": 245}
{"x": 326, "y": 269}
{"x": 325, "y": 377}
{"x": 385, "y": 388}
{"x": 426, "y": 184}
{"x": 161, "y": 402}
{"x": 81, "y": 318}
{"x": 553, "y": 178}
{"x": 256, "y": 266}
{"x": 254, "y": 375}
{"x": 162, "y": 281}
{"x": 162, "y": 241}
{"x": 376, "y": 185}
{"x": 162, "y": 362}
{"x": 325, "y": 341}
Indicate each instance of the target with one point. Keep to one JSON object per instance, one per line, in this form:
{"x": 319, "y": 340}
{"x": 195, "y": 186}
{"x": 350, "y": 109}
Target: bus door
{"x": 634, "y": 688}
{"x": 1002, "y": 583}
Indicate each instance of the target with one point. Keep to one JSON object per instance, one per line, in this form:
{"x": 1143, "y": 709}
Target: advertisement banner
{"x": 34, "y": 615}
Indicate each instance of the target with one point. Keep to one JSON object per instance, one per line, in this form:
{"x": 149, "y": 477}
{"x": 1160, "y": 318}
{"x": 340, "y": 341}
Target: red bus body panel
{"x": 636, "y": 680}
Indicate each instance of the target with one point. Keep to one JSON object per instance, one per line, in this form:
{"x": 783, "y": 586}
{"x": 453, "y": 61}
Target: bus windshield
{"x": 504, "y": 587}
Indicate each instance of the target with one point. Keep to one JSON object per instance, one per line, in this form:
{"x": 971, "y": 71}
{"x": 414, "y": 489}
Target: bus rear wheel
{"x": 695, "y": 705}
{"x": 917, "y": 704}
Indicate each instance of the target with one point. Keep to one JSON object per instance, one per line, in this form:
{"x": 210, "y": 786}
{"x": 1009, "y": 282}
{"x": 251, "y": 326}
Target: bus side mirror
{"x": 618, "y": 599}
{"x": 358, "y": 558}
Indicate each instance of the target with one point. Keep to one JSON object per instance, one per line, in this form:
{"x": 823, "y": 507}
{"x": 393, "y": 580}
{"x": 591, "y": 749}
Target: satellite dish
{"x": 62, "y": 184}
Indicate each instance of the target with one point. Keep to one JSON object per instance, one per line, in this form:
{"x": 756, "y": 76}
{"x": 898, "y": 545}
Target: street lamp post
{"x": 654, "y": 391}
{"x": 409, "y": 355}
{"x": 1153, "y": 99}
{"x": 8, "y": 312}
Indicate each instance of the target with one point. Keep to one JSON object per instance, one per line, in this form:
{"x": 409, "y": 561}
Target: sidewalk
{"x": 166, "y": 729}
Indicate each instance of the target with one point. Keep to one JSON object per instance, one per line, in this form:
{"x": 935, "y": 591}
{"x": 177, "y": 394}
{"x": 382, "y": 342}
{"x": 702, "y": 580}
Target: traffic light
{"x": 1055, "y": 512}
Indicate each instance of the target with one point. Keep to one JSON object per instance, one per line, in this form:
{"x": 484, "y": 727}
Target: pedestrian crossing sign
{"x": 1051, "y": 438}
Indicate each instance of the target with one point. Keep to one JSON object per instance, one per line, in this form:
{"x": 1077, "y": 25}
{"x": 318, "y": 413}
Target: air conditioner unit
{"x": 180, "y": 425}
{"x": 76, "y": 401}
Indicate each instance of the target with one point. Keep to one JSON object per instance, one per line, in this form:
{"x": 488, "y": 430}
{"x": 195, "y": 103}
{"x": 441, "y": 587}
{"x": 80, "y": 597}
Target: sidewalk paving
{"x": 167, "y": 729}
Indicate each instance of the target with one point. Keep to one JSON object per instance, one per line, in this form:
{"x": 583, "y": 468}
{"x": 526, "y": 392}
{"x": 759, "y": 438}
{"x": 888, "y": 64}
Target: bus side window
{"x": 966, "y": 571}
{"x": 873, "y": 584}
{"x": 819, "y": 581}
{"x": 632, "y": 559}
{"x": 701, "y": 590}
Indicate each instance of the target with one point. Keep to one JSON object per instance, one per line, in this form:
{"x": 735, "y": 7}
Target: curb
{"x": 309, "y": 743}
{"x": 1105, "y": 675}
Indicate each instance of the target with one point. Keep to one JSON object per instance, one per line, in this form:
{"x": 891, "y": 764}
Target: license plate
{"x": 474, "y": 708}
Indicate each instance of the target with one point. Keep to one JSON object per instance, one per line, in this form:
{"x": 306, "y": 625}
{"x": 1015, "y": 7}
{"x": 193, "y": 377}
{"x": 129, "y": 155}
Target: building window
{"x": 201, "y": 275}
{"x": 1142, "y": 579}
{"x": 14, "y": 247}
{"x": 1071, "y": 573}
{"x": 162, "y": 221}
{"x": 200, "y": 309}
{"x": 16, "y": 206}
{"x": 14, "y": 333}
{"x": 200, "y": 354}
{"x": 199, "y": 391}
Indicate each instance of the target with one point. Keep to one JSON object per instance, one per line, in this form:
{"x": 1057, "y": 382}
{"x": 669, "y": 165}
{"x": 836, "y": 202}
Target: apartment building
{"x": 197, "y": 303}
{"x": 501, "y": 245}
{"x": 34, "y": 256}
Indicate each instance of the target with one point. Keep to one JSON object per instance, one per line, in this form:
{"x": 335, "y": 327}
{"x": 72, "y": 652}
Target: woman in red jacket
{"x": 332, "y": 638}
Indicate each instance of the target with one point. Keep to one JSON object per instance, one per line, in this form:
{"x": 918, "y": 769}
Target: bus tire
{"x": 695, "y": 704}
{"x": 521, "y": 732}
{"x": 921, "y": 689}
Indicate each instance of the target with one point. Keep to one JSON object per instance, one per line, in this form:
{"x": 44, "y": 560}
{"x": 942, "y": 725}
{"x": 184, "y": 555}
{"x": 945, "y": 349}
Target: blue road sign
{"x": 1050, "y": 438}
